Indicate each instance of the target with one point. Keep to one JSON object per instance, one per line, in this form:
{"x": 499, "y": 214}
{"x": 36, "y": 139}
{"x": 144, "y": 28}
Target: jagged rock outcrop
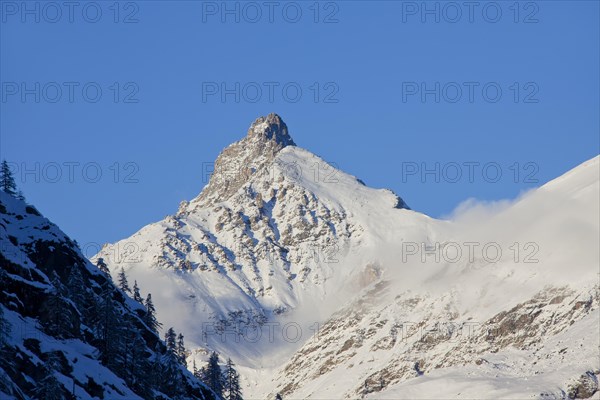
{"x": 239, "y": 161}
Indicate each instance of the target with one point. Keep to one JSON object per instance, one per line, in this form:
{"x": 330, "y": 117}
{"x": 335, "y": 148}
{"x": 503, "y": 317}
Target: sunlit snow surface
{"x": 362, "y": 264}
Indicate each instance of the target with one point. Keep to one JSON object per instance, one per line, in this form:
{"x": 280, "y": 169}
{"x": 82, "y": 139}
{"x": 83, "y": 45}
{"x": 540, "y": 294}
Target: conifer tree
{"x": 171, "y": 340}
{"x": 49, "y": 388}
{"x": 171, "y": 369}
{"x": 212, "y": 375}
{"x": 7, "y": 182}
{"x": 136, "y": 364}
{"x": 123, "y": 284}
{"x": 109, "y": 328}
{"x": 136, "y": 293}
{"x": 231, "y": 382}
{"x": 76, "y": 287}
{"x": 57, "y": 315}
{"x": 150, "y": 318}
{"x": 181, "y": 351}
{"x": 156, "y": 365}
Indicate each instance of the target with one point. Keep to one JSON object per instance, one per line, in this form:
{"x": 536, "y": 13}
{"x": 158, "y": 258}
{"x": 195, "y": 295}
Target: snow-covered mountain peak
{"x": 275, "y": 230}
{"x": 280, "y": 236}
{"x": 268, "y": 158}
{"x": 241, "y": 160}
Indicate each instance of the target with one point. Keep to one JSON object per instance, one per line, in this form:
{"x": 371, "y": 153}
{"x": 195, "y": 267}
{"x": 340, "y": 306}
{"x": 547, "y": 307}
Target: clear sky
{"x": 146, "y": 93}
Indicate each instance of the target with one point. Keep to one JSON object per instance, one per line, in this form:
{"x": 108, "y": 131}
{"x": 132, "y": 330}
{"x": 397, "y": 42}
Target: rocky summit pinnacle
{"x": 239, "y": 161}
{"x": 272, "y": 128}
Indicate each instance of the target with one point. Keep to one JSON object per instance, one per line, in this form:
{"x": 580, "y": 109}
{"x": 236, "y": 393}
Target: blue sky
{"x": 115, "y": 108}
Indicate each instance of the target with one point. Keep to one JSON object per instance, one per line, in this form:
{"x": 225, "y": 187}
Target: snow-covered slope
{"x": 60, "y": 317}
{"x": 511, "y": 319}
{"x": 319, "y": 286}
{"x": 280, "y": 233}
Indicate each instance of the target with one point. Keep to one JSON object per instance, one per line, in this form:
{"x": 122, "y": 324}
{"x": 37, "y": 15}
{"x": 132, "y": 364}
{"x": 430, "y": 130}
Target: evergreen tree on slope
{"x": 181, "y": 351}
{"x": 212, "y": 375}
{"x": 136, "y": 293}
{"x": 123, "y": 284}
{"x": 7, "y": 182}
{"x": 231, "y": 381}
{"x": 150, "y": 318}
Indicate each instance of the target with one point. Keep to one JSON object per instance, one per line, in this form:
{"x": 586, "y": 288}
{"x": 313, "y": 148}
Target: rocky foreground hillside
{"x": 66, "y": 331}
